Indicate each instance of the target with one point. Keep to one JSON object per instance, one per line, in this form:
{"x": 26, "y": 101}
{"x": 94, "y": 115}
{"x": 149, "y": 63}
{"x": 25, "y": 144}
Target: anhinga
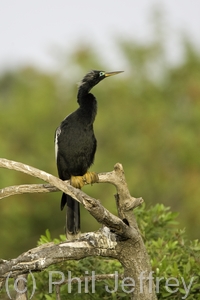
{"x": 75, "y": 146}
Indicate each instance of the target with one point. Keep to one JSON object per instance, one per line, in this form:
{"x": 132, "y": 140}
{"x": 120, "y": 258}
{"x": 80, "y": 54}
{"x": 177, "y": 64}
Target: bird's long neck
{"x": 88, "y": 104}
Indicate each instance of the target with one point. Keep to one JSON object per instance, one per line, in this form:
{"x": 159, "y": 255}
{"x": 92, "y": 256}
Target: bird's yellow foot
{"x": 90, "y": 177}
{"x": 77, "y": 181}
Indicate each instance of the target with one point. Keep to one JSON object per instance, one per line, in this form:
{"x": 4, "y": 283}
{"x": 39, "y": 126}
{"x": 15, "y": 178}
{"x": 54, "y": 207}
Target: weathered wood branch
{"x": 53, "y": 180}
{"x": 129, "y": 250}
{"x": 101, "y": 214}
{"x": 37, "y": 259}
{"x": 115, "y": 177}
{"x": 27, "y": 189}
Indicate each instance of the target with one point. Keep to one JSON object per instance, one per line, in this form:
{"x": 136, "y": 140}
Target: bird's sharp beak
{"x": 107, "y": 74}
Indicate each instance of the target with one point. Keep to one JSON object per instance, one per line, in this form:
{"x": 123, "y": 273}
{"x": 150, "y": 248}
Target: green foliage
{"x": 173, "y": 257}
{"x": 47, "y": 238}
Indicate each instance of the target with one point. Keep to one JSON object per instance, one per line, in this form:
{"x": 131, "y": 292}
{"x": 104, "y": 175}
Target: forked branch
{"x": 101, "y": 214}
{"x": 130, "y": 250}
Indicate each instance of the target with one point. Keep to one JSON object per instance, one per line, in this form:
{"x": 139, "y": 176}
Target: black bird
{"x": 75, "y": 146}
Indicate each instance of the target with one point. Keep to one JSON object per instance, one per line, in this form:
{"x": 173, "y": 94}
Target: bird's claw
{"x": 77, "y": 181}
{"x": 90, "y": 177}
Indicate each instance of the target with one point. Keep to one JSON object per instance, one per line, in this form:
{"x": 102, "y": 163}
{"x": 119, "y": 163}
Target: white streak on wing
{"x": 58, "y": 131}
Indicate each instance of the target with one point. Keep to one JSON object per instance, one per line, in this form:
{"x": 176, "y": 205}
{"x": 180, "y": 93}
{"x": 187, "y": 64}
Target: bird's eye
{"x": 101, "y": 74}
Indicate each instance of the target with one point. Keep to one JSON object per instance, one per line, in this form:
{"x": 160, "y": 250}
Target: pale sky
{"x": 31, "y": 32}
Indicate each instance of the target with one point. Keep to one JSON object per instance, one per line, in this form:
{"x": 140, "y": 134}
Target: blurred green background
{"x": 148, "y": 120}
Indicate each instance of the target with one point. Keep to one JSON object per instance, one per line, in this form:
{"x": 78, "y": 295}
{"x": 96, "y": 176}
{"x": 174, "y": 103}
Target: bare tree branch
{"x": 115, "y": 177}
{"x": 37, "y": 259}
{"x": 101, "y": 214}
{"x": 129, "y": 250}
{"x": 21, "y": 286}
{"x": 27, "y": 189}
{"x": 17, "y": 166}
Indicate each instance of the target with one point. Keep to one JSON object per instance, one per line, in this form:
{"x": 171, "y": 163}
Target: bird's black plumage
{"x": 75, "y": 143}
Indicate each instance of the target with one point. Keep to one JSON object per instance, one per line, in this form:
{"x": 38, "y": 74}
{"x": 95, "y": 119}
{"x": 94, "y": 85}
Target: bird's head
{"x": 94, "y": 77}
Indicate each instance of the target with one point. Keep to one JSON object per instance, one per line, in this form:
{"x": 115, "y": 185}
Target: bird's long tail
{"x": 73, "y": 216}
